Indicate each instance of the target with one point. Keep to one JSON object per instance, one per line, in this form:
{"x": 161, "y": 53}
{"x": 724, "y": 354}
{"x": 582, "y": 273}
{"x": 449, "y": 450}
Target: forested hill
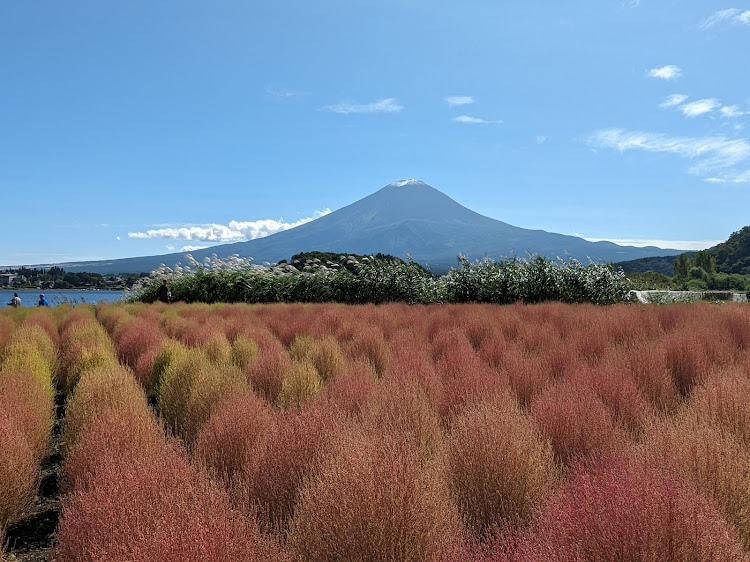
{"x": 659, "y": 264}
{"x": 733, "y": 256}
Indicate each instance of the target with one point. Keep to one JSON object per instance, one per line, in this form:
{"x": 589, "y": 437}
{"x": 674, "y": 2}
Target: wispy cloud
{"x": 732, "y": 111}
{"x": 738, "y": 177}
{"x": 386, "y": 105}
{"x": 671, "y": 244}
{"x": 474, "y": 120}
{"x": 716, "y": 155}
{"x": 731, "y": 16}
{"x": 669, "y": 72}
{"x": 673, "y": 100}
{"x": 541, "y": 139}
{"x": 235, "y": 231}
{"x": 455, "y": 101}
{"x": 699, "y": 107}
{"x": 285, "y": 95}
{"x": 192, "y": 248}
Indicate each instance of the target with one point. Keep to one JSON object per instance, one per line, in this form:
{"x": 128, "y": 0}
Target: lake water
{"x": 29, "y": 297}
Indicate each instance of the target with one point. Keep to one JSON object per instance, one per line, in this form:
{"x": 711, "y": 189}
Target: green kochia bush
{"x": 514, "y": 280}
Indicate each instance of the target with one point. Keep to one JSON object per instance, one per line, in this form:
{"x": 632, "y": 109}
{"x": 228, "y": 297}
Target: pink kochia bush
{"x": 270, "y": 485}
{"x": 577, "y": 422}
{"x": 156, "y": 507}
{"x": 499, "y": 466}
{"x": 624, "y": 510}
{"x": 231, "y": 443}
{"x": 18, "y": 473}
{"x": 374, "y": 499}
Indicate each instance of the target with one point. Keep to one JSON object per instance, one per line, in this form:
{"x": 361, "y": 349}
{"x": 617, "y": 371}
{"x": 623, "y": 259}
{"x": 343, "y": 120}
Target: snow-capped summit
{"x": 412, "y": 181}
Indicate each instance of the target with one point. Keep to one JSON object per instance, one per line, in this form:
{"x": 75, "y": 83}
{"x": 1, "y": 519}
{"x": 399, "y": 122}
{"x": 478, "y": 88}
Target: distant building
{"x": 8, "y": 278}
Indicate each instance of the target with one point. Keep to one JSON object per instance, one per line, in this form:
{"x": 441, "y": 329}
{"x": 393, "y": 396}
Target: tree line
{"x": 57, "y": 278}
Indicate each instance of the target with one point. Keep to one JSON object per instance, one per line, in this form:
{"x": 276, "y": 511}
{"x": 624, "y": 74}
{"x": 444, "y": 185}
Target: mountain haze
{"x": 404, "y": 217}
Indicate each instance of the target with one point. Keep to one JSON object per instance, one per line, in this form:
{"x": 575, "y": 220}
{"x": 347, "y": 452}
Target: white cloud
{"x": 235, "y": 231}
{"x": 193, "y": 248}
{"x": 732, "y": 15}
{"x": 386, "y": 105}
{"x": 540, "y": 139}
{"x": 732, "y": 111}
{"x": 716, "y": 155}
{"x": 473, "y": 120}
{"x": 673, "y": 100}
{"x": 170, "y": 247}
{"x": 737, "y": 177}
{"x": 670, "y": 244}
{"x": 454, "y": 101}
{"x": 669, "y": 72}
{"x": 699, "y": 107}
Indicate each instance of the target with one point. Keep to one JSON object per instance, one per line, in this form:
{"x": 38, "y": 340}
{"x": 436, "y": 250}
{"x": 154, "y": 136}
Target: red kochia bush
{"x": 7, "y": 326}
{"x": 136, "y": 338}
{"x": 646, "y": 364}
{"x": 499, "y": 466}
{"x": 351, "y": 390}
{"x": 400, "y": 407}
{"x": 155, "y": 507}
{"x": 527, "y": 376}
{"x": 715, "y": 461}
{"x": 687, "y": 359}
{"x": 577, "y": 422}
{"x": 234, "y": 437}
{"x": 622, "y": 510}
{"x": 18, "y": 472}
{"x": 629, "y": 408}
{"x": 374, "y": 499}
{"x": 724, "y": 402}
{"x": 29, "y": 404}
{"x": 109, "y": 434}
{"x": 293, "y": 444}
{"x": 466, "y": 379}
{"x": 266, "y": 373}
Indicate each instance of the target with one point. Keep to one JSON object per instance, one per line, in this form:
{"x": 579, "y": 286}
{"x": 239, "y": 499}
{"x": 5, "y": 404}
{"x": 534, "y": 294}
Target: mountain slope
{"x": 405, "y": 217}
{"x": 733, "y": 256}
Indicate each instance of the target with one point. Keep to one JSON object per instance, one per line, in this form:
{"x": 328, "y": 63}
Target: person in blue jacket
{"x": 42, "y": 301}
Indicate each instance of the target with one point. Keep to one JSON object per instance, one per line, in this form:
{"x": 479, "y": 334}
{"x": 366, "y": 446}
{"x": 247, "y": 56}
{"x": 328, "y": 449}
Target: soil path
{"x": 32, "y": 538}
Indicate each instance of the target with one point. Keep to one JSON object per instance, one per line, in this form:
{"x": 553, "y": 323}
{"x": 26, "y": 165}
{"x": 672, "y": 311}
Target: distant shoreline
{"x": 56, "y": 290}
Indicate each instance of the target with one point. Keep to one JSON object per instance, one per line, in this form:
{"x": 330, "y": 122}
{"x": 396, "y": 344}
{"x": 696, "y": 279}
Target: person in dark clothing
{"x": 163, "y": 293}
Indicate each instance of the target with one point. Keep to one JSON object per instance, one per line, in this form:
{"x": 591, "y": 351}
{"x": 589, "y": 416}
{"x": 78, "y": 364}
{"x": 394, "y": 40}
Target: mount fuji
{"x": 404, "y": 217}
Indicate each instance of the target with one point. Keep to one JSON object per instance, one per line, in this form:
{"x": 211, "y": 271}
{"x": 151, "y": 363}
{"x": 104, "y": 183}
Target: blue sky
{"x": 140, "y": 127}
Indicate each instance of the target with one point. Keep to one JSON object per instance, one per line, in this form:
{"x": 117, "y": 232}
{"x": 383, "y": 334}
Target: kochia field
{"x": 394, "y": 432}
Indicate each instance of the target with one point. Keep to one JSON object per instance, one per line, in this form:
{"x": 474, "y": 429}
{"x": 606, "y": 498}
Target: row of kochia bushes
{"x": 371, "y": 281}
{"x": 28, "y": 366}
{"x": 472, "y": 433}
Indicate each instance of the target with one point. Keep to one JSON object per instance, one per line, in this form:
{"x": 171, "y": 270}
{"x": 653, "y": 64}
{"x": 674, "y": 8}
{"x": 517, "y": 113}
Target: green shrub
{"x": 376, "y": 281}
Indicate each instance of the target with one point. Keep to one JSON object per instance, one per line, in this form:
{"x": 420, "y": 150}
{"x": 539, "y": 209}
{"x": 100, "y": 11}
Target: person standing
{"x": 15, "y": 302}
{"x": 163, "y": 293}
{"x": 42, "y": 301}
